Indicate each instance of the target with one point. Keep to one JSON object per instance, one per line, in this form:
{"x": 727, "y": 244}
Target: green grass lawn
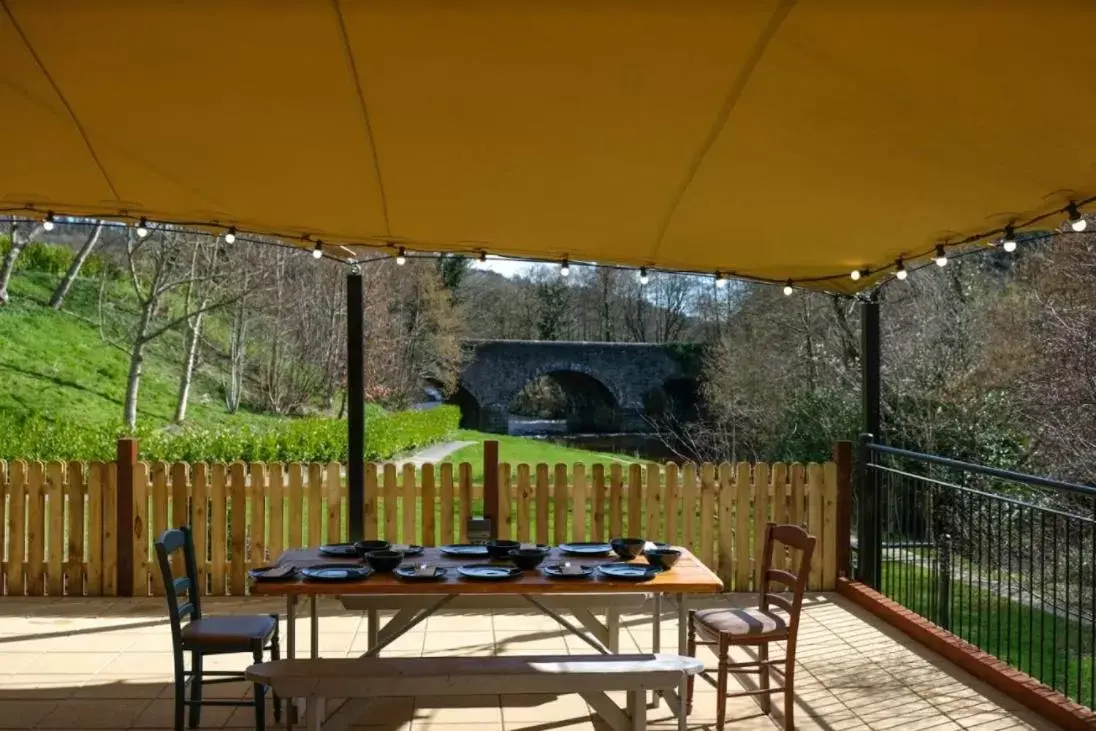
{"x": 518, "y": 450}
{"x": 1056, "y": 650}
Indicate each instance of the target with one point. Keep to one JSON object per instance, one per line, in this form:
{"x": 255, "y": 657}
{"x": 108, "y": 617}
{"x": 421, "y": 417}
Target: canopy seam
{"x": 364, "y": 111}
{"x": 64, "y": 102}
{"x": 730, "y": 101}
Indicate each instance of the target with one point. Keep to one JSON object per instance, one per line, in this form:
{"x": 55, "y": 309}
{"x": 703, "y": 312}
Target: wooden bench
{"x": 361, "y": 680}
{"x": 582, "y": 606}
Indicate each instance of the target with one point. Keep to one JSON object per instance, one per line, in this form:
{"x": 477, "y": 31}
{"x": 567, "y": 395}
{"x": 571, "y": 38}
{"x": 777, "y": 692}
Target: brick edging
{"x": 1040, "y": 698}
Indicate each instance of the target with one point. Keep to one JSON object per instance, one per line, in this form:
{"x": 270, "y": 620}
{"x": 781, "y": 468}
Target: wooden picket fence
{"x": 58, "y": 521}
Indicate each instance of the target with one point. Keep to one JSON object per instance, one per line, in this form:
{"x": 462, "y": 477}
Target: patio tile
{"x": 447, "y": 710}
{"x": 523, "y": 708}
{"x": 458, "y": 643}
{"x": 89, "y": 714}
{"x": 24, "y": 714}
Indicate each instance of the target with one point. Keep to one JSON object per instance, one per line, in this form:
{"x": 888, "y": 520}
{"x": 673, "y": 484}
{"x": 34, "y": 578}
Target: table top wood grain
{"x": 688, "y": 576}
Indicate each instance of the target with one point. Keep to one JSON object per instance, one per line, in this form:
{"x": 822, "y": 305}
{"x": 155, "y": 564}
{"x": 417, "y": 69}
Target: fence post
{"x": 842, "y": 457}
{"x": 943, "y": 578}
{"x": 127, "y": 461}
{"x": 868, "y": 542}
{"x": 491, "y": 484}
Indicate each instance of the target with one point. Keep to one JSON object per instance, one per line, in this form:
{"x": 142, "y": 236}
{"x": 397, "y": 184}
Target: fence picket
{"x": 652, "y": 523}
{"x": 616, "y": 500}
{"x": 110, "y": 530}
{"x": 275, "y": 501}
{"x": 543, "y": 492}
{"x": 525, "y": 495}
{"x": 74, "y": 562}
{"x": 635, "y": 501}
{"x": 335, "y": 489}
{"x": 688, "y": 506}
{"x": 17, "y": 527}
{"x": 36, "y": 529}
{"x": 780, "y": 508}
{"x": 597, "y": 500}
{"x": 578, "y": 499}
{"x": 829, "y": 527}
{"x": 179, "y": 513}
{"x": 158, "y": 492}
{"x": 505, "y": 503}
{"x": 315, "y": 504}
{"x": 762, "y": 476}
{"x": 199, "y": 521}
{"x": 559, "y": 503}
{"x": 218, "y": 534}
{"x": 815, "y": 500}
{"x": 54, "y": 509}
{"x": 237, "y": 529}
{"x": 410, "y": 498}
{"x": 707, "y": 512}
{"x": 743, "y": 525}
{"x": 140, "y": 530}
{"x": 257, "y": 496}
{"x": 295, "y": 509}
{"x": 429, "y": 507}
{"x": 3, "y": 525}
{"x": 447, "y": 503}
{"x": 390, "y": 493}
{"x": 760, "y": 517}
{"x": 96, "y": 532}
{"x": 798, "y": 512}
{"x": 370, "y": 516}
{"x": 724, "y": 567}
{"x": 464, "y": 473}
{"x": 673, "y": 505}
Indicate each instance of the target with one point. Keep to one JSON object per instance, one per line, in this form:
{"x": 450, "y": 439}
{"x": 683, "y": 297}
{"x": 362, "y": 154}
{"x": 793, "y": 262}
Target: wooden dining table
{"x": 687, "y": 577}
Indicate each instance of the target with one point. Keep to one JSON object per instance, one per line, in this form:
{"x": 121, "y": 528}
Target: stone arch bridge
{"x": 610, "y": 386}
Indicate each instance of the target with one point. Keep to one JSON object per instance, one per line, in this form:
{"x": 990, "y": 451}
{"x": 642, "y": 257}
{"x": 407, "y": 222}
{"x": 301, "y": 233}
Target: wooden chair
{"x": 201, "y": 636}
{"x": 728, "y": 627}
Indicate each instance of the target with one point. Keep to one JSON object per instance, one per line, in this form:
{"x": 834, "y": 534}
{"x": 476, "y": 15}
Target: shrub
{"x": 50, "y": 258}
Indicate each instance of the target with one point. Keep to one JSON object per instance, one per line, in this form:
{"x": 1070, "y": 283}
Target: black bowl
{"x": 501, "y": 549}
{"x": 528, "y": 559}
{"x": 366, "y": 547}
{"x": 628, "y": 548}
{"x": 384, "y": 561}
{"x": 663, "y": 558}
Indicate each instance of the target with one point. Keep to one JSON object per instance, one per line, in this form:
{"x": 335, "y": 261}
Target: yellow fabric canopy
{"x": 777, "y": 140}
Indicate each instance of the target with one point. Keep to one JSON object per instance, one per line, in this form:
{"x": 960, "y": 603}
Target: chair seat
{"x": 740, "y": 622}
{"x": 220, "y": 632}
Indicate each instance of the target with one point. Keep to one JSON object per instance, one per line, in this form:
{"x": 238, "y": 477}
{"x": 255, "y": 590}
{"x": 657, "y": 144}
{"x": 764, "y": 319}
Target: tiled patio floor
{"x": 103, "y": 664}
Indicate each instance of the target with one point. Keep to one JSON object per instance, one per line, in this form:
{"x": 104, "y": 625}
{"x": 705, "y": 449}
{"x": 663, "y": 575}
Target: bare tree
{"x": 19, "y": 242}
{"x": 63, "y": 287}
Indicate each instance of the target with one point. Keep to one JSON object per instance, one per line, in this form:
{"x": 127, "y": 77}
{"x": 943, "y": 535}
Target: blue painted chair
{"x": 201, "y": 636}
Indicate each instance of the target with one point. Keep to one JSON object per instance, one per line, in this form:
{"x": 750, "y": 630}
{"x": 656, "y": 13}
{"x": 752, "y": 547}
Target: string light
{"x": 1009, "y": 242}
{"x": 1077, "y": 222}
{"x": 643, "y": 278}
{"x": 317, "y": 251}
{"x": 401, "y": 257}
{"x": 230, "y": 236}
{"x": 900, "y": 270}
{"x": 564, "y": 268}
{"x": 720, "y": 280}
{"x": 48, "y": 223}
{"x": 855, "y": 274}
{"x": 941, "y": 257}
{"x": 142, "y": 228}
{"x": 788, "y": 289}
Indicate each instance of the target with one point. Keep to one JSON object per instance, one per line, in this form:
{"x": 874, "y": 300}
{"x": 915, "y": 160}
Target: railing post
{"x": 491, "y": 484}
{"x": 943, "y": 587}
{"x": 842, "y": 457}
{"x": 355, "y": 406}
{"x": 868, "y": 539}
{"x": 127, "y": 461}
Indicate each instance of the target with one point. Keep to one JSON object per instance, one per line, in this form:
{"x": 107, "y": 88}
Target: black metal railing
{"x": 1004, "y": 560}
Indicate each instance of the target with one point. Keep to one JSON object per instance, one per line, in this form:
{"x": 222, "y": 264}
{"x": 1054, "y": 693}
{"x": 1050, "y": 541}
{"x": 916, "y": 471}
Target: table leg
{"x": 682, "y": 649}
{"x": 372, "y": 627}
{"x": 314, "y": 628}
{"x": 656, "y": 626}
{"x": 612, "y": 629}
{"x": 290, "y": 653}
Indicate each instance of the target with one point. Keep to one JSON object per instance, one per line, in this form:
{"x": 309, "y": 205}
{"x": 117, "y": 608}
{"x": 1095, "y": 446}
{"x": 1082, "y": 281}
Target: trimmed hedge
{"x": 290, "y": 440}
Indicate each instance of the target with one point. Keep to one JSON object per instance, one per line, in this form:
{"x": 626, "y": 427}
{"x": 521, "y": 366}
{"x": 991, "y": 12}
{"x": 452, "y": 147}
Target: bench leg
{"x": 315, "y": 713}
{"x": 612, "y": 629}
{"x": 637, "y": 709}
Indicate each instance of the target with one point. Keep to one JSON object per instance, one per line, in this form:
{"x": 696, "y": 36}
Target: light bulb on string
{"x": 1077, "y": 222}
{"x": 48, "y": 224}
{"x": 941, "y": 257}
{"x": 317, "y": 250}
{"x": 788, "y": 289}
{"x": 230, "y": 236}
{"x": 142, "y": 228}
{"x": 900, "y": 270}
{"x": 643, "y": 278}
{"x": 720, "y": 280}
{"x": 564, "y": 268}
{"x": 855, "y": 275}
{"x": 401, "y": 257}
{"x": 1009, "y": 241}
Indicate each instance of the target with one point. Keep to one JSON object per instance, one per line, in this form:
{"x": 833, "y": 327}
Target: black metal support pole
{"x": 869, "y": 529}
{"x": 355, "y": 406}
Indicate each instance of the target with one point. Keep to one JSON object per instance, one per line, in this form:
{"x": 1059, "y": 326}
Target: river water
{"x": 637, "y": 446}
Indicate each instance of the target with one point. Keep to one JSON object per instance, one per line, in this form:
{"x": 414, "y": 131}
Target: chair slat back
{"x": 186, "y": 587}
{"x": 796, "y": 538}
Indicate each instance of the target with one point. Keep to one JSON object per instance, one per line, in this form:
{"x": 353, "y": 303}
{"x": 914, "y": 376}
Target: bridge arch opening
{"x": 470, "y": 412}
{"x": 573, "y": 400}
